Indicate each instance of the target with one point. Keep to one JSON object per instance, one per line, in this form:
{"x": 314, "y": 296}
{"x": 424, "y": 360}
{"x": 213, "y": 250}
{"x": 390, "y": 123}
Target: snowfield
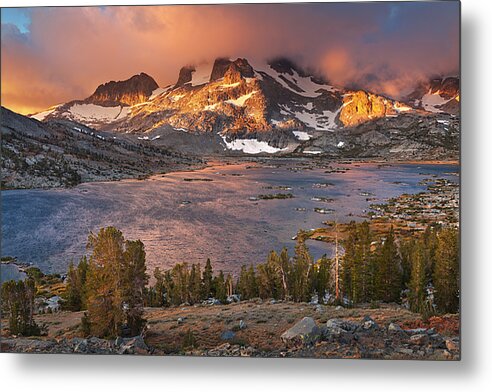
{"x": 251, "y": 146}
{"x": 305, "y": 84}
{"x": 201, "y": 75}
{"x": 431, "y": 101}
{"x": 90, "y": 112}
{"x": 42, "y": 115}
{"x": 301, "y": 135}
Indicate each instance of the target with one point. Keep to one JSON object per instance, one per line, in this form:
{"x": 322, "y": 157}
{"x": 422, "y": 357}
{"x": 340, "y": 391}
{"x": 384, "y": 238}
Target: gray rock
{"x": 437, "y": 341}
{"x": 393, "y": 327}
{"x": 419, "y": 339}
{"x": 242, "y": 324}
{"x": 368, "y": 323}
{"x": 340, "y": 326}
{"x": 227, "y": 335}
{"x": 303, "y": 332}
{"x": 80, "y": 346}
{"x": 135, "y": 345}
{"x": 403, "y": 350}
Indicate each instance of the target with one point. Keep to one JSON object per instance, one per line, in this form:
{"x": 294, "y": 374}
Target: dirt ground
{"x": 255, "y": 324}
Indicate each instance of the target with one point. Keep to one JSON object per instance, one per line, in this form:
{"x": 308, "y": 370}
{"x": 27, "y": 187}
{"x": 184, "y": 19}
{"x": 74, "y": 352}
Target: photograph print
{"x": 237, "y": 180}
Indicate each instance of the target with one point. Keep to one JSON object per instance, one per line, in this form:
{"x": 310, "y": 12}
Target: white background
{"x": 473, "y": 373}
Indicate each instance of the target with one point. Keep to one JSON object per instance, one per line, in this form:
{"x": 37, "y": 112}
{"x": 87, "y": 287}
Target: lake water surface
{"x": 188, "y": 221}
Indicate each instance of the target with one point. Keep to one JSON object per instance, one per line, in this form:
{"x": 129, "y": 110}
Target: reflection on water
{"x": 187, "y": 221}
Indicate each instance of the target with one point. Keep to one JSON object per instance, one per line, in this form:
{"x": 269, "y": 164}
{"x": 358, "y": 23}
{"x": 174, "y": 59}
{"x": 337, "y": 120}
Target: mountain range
{"x": 270, "y": 107}
{"x": 228, "y": 108}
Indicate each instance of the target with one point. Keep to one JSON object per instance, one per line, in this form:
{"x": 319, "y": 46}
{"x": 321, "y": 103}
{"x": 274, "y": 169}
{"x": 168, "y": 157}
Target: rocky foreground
{"x": 261, "y": 329}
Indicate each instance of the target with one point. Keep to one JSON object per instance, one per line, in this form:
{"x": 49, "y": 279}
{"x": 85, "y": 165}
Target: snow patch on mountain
{"x": 241, "y": 100}
{"x": 90, "y": 112}
{"x": 201, "y": 75}
{"x": 324, "y": 121}
{"x": 307, "y": 87}
{"x": 301, "y": 135}
{"x": 251, "y": 146}
{"x": 42, "y": 115}
{"x": 431, "y": 101}
{"x": 312, "y": 152}
{"x": 158, "y": 91}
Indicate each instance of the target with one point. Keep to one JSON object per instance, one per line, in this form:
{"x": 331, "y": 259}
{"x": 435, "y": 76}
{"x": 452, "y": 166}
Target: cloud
{"x": 68, "y": 52}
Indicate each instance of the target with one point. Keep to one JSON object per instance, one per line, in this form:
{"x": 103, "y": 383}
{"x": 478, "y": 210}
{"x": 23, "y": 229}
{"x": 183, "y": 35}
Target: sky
{"x": 54, "y": 55}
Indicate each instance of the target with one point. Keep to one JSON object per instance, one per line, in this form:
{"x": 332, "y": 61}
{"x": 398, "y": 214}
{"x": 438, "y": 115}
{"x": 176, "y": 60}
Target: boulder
{"x": 368, "y": 323}
{"x": 303, "y": 332}
{"x": 242, "y": 324}
{"x": 228, "y": 335}
{"x": 135, "y": 345}
{"x": 340, "y": 326}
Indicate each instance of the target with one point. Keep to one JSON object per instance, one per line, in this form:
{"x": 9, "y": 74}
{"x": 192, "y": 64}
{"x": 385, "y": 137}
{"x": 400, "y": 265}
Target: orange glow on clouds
{"x": 70, "y": 51}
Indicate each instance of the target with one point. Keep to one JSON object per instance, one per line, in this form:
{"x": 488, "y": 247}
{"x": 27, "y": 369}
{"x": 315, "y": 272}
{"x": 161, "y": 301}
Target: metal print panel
{"x": 266, "y": 180}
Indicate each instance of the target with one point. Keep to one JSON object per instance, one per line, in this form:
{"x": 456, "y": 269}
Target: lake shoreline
{"x": 213, "y": 161}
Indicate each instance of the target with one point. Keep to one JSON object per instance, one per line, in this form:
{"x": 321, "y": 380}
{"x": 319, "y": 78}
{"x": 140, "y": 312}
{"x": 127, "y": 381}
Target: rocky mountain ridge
{"x": 61, "y": 153}
{"x": 240, "y": 106}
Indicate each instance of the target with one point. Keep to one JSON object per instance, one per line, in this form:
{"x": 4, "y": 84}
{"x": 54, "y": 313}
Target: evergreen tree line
{"x": 111, "y": 285}
{"x": 422, "y": 270}
{"x": 425, "y": 268}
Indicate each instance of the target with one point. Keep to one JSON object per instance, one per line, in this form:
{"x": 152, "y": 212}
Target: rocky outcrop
{"x": 360, "y": 106}
{"x": 93, "y": 345}
{"x": 130, "y": 92}
{"x": 366, "y": 339}
{"x": 437, "y": 95}
{"x": 185, "y": 76}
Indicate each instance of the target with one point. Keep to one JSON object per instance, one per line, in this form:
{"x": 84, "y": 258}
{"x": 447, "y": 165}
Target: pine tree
{"x": 18, "y": 303}
{"x": 74, "y": 296}
{"x": 195, "y": 284}
{"x": 348, "y": 262}
{"x": 180, "y": 284}
{"x": 220, "y": 287}
{"x": 104, "y": 299}
{"x": 252, "y": 283}
{"x": 132, "y": 286}
{"x": 303, "y": 263}
{"x": 324, "y": 266}
{"x": 389, "y": 270}
{"x": 159, "y": 287}
{"x": 115, "y": 287}
{"x": 446, "y": 272}
{"x": 242, "y": 283}
{"x": 407, "y": 249}
{"x": 207, "y": 281}
{"x": 269, "y": 278}
{"x": 417, "y": 284}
